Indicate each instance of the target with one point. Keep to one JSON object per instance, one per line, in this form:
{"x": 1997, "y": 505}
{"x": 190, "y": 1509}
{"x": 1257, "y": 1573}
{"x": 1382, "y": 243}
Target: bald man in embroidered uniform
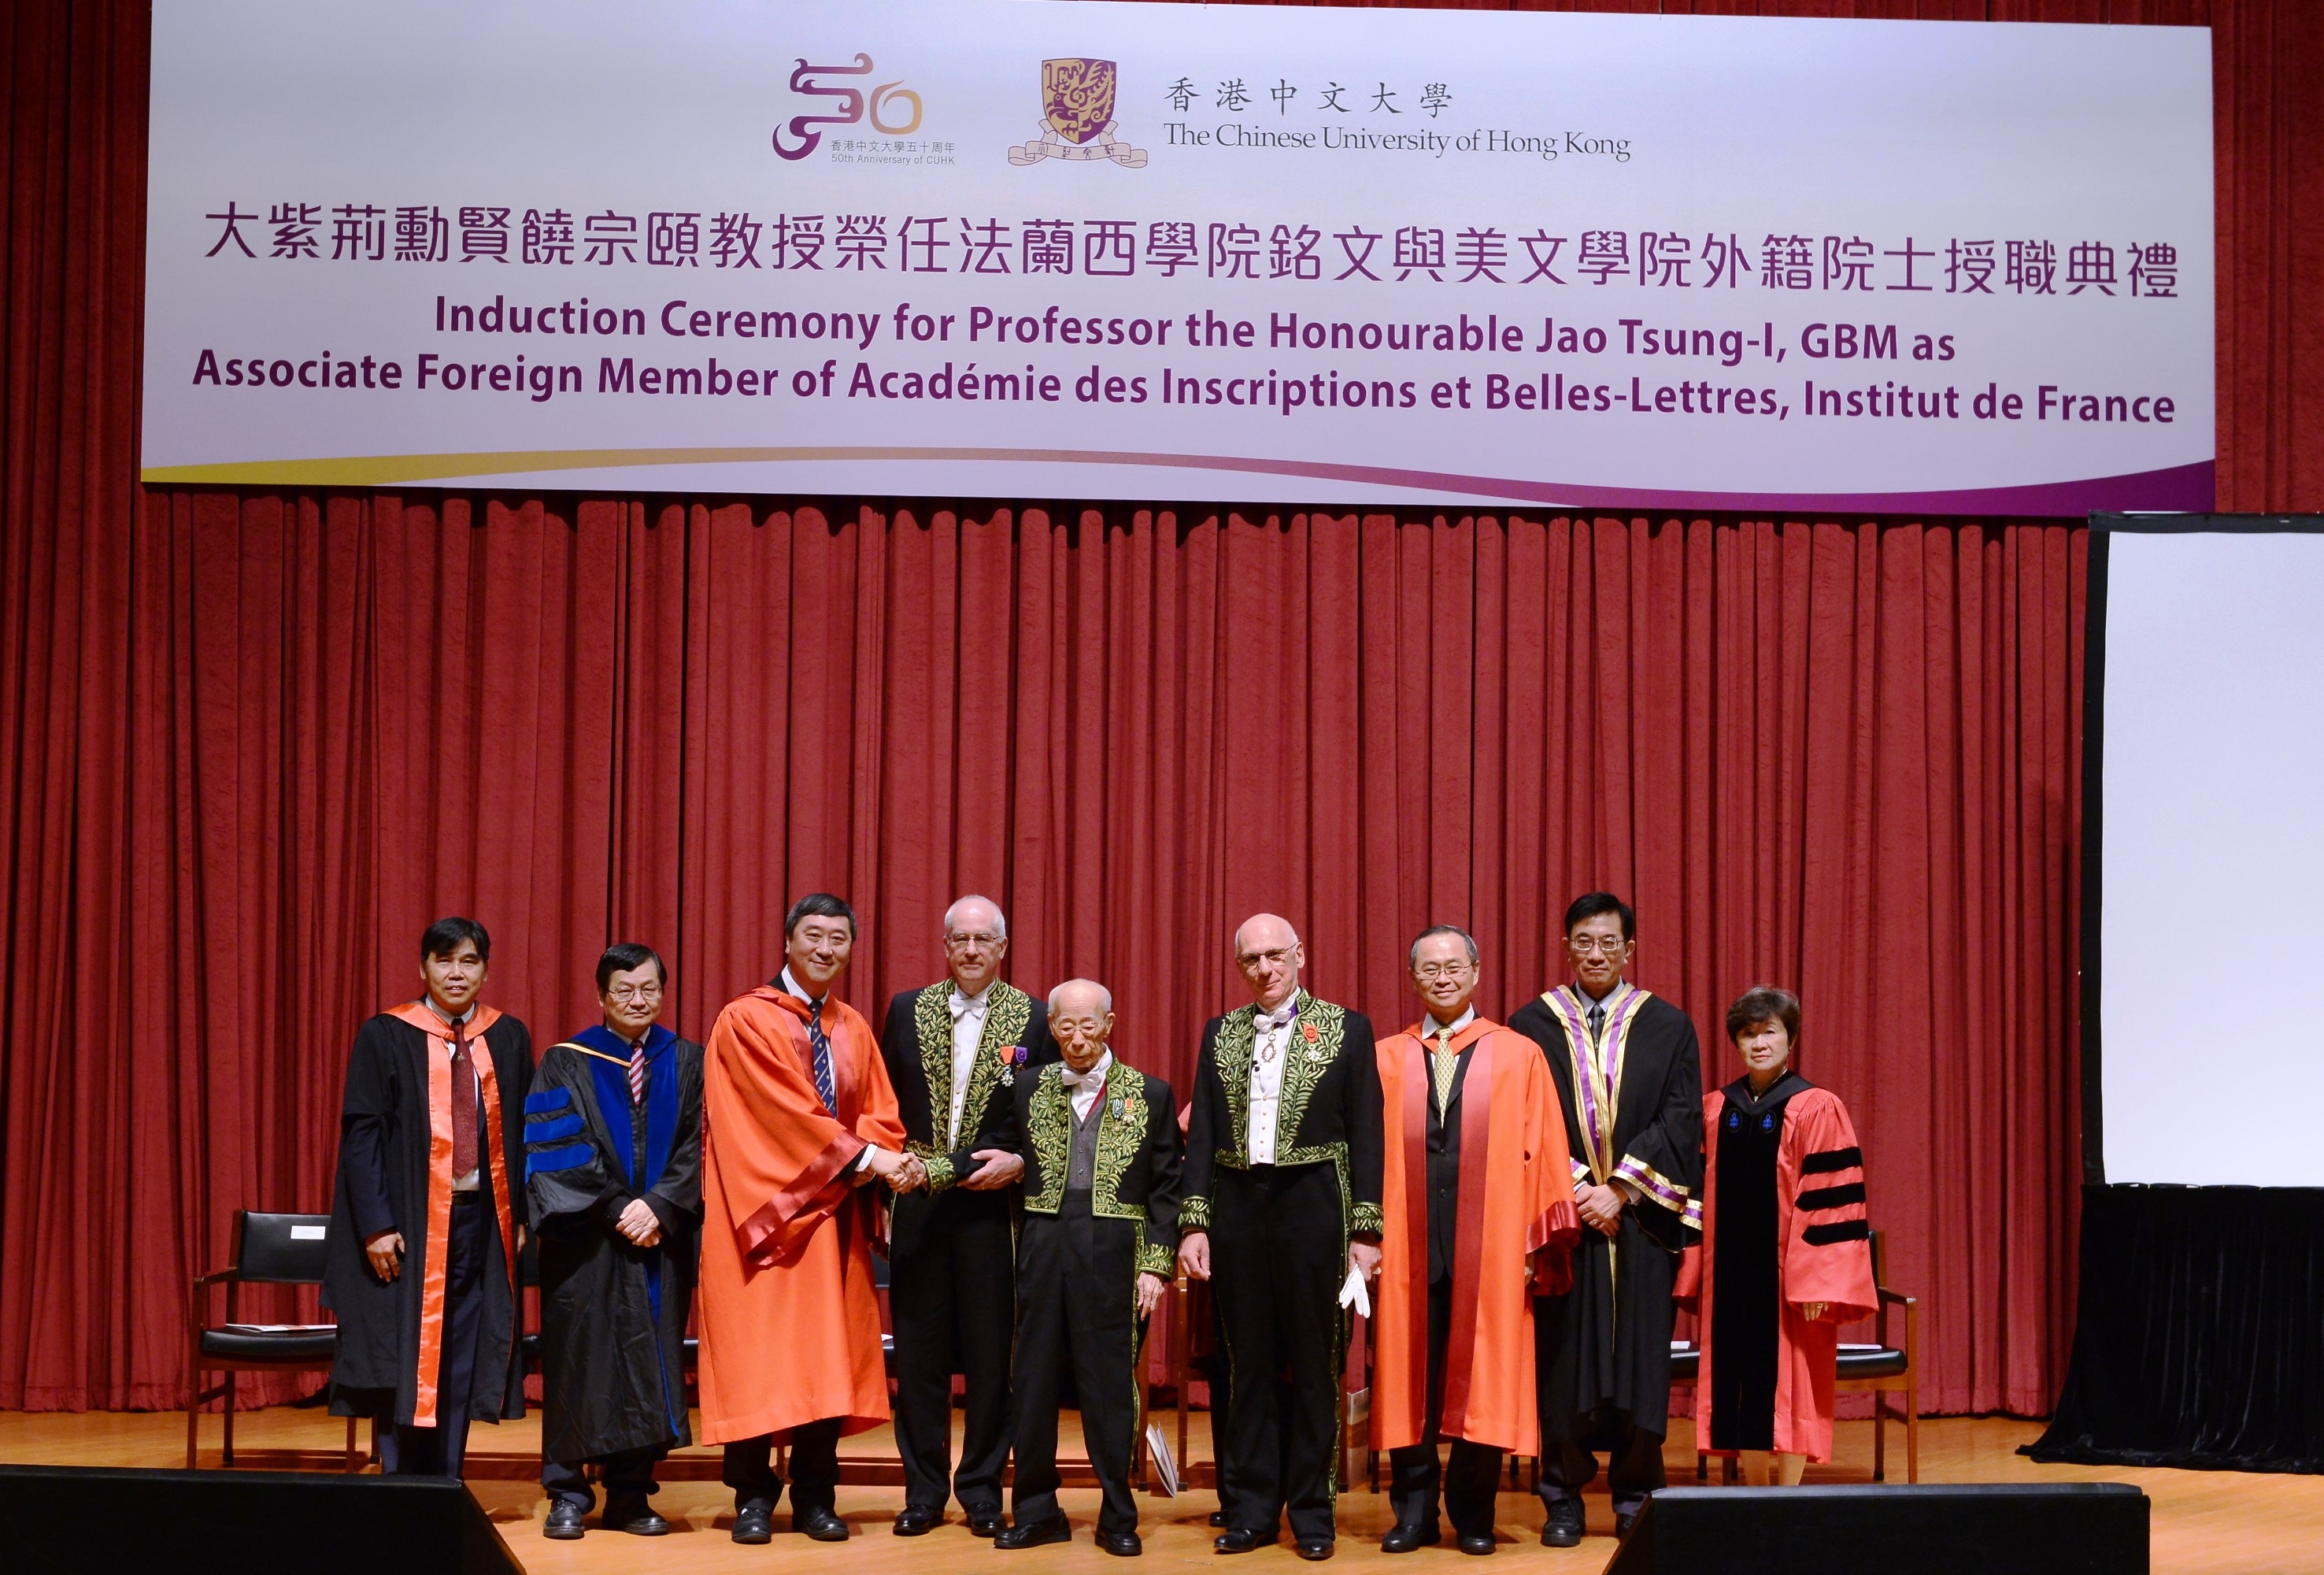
{"x": 1282, "y": 1200}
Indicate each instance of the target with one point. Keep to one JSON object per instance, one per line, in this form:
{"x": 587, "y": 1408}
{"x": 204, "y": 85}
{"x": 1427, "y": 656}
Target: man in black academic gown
{"x": 1631, "y": 1074}
{"x": 1282, "y": 1200}
{"x": 425, "y": 1232}
{"x": 1101, "y": 1156}
{"x": 614, "y": 1163}
{"x": 956, "y": 1052}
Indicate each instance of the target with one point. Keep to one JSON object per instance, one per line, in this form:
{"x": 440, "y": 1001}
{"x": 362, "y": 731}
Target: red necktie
{"x": 637, "y": 1073}
{"x": 463, "y": 1105}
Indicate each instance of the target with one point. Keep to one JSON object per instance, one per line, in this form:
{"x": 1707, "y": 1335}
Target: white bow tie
{"x": 962, "y": 1005}
{"x": 1073, "y": 1079}
{"x": 1269, "y": 1022}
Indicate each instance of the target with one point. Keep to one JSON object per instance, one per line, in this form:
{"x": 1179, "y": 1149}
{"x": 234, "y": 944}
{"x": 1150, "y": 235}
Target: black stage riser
{"x": 89, "y": 1521}
{"x": 2083, "y": 1528}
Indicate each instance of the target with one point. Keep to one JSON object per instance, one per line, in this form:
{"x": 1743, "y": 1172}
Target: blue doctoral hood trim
{"x": 612, "y": 1088}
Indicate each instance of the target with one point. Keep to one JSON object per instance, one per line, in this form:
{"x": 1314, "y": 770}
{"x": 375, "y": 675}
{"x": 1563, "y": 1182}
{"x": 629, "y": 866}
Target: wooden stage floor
{"x": 2206, "y": 1523}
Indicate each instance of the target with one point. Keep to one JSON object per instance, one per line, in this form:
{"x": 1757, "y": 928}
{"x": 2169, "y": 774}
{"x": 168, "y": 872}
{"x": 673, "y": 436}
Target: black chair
{"x": 269, "y": 1249}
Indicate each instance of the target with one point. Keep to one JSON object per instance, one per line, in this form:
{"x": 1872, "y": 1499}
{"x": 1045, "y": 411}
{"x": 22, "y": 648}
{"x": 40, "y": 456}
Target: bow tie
{"x": 962, "y": 1005}
{"x": 1268, "y": 1021}
{"x": 1073, "y": 1079}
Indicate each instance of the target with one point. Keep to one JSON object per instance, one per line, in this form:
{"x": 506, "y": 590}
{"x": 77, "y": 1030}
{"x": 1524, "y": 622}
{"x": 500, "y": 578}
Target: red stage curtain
{"x": 253, "y": 741}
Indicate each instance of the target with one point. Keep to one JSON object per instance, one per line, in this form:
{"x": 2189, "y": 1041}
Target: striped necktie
{"x": 822, "y": 1048}
{"x": 638, "y": 1072}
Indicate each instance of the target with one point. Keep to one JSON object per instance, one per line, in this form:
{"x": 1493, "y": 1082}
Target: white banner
{"x": 1134, "y": 251}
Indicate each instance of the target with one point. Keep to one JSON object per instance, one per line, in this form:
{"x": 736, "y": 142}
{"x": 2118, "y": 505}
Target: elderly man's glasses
{"x": 1277, "y": 957}
{"x": 1455, "y": 969}
{"x": 626, "y": 993}
{"x": 1584, "y": 945}
{"x": 985, "y": 938}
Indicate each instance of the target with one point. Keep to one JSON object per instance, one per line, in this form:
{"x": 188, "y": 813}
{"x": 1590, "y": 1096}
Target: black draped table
{"x": 2199, "y": 1339}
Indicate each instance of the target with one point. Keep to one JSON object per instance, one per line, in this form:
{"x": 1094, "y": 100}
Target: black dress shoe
{"x": 1238, "y": 1540}
{"x": 1037, "y": 1533}
{"x": 564, "y": 1522}
{"x": 1565, "y": 1527}
{"x": 755, "y": 1526}
{"x": 1217, "y": 1517}
{"x": 637, "y": 1519}
{"x": 984, "y": 1523}
{"x": 1623, "y": 1523}
{"x": 1477, "y": 1543}
{"x": 1121, "y": 1544}
{"x": 915, "y": 1522}
{"x": 1315, "y": 1547}
{"x": 1404, "y": 1539}
{"x": 820, "y": 1523}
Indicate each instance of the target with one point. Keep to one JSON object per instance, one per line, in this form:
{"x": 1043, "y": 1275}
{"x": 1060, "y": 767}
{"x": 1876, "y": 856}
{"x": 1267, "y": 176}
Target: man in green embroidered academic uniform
{"x": 1101, "y": 1233}
{"x": 1282, "y": 1202}
{"x": 954, "y": 1052}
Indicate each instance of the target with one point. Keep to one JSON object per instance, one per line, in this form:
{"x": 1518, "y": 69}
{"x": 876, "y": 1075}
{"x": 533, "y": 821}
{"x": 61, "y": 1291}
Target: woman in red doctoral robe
{"x": 1786, "y": 1254}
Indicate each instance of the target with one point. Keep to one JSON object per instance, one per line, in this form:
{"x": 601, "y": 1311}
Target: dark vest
{"x": 1445, "y": 1165}
{"x": 1081, "y": 1166}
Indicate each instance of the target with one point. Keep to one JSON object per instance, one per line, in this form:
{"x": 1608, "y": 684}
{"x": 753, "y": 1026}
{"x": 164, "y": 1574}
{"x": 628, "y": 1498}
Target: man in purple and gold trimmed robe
{"x": 1629, "y": 1071}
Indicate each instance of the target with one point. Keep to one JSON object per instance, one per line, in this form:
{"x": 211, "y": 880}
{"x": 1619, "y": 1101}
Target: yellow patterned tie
{"x": 1448, "y": 1061}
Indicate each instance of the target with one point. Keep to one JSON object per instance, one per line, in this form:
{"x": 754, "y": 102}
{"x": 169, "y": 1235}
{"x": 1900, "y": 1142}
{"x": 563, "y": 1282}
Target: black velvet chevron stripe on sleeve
{"x": 1832, "y": 1197}
{"x": 1837, "y": 1230}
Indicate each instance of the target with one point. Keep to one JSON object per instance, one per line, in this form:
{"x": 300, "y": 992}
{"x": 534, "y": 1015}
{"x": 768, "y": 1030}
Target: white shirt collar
{"x": 795, "y": 987}
{"x": 1582, "y": 990}
{"x": 1467, "y": 1016}
{"x": 1281, "y": 1015}
{"x": 1096, "y": 1074}
{"x": 443, "y": 1017}
{"x": 962, "y": 1005}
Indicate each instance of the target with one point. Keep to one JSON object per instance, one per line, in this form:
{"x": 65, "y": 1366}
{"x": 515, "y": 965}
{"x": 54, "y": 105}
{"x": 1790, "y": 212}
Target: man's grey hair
{"x": 1000, "y": 918}
{"x": 1412, "y": 958}
{"x": 1105, "y": 996}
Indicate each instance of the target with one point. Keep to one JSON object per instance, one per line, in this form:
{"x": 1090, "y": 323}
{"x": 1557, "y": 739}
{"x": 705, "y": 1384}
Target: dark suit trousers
{"x": 629, "y": 1474}
{"x": 1076, "y": 1316}
{"x": 1472, "y": 1479}
{"x": 1276, "y": 1268}
{"x": 440, "y": 1451}
{"x": 954, "y": 1299}
{"x": 1634, "y": 1465}
{"x": 750, "y": 1468}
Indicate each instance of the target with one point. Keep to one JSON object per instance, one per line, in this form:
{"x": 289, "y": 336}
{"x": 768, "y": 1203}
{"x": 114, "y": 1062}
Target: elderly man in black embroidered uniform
{"x": 1282, "y": 1202}
{"x": 1101, "y": 1235}
{"x": 954, "y": 1051}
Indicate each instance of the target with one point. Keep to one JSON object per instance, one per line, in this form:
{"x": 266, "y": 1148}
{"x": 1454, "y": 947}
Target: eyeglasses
{"x": 1443, "y": 970}
{"x": 635, "y": 993}
{"x": 1584, "y": 945}
{"x": 986, "y": 939}
{"x": 1280, "y": 956}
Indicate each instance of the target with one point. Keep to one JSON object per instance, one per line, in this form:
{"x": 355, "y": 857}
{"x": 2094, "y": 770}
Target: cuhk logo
{"x": 886, "y": 105}
{"x": 1077, "y": 116}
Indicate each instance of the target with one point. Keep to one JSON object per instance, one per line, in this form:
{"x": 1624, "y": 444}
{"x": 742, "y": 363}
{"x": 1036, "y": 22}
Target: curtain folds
{"x": 2197, "y": 1345}
{"x": 251, "y": 742}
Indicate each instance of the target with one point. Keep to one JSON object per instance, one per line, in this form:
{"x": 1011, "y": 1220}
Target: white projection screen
{"x": 2209, "y": 779}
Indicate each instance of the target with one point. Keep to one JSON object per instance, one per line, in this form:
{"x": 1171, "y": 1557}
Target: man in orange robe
{"x": 799, "y": 1118}
{"x": 1477, "y": 1197}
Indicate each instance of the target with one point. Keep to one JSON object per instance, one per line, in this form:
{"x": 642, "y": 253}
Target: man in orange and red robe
{"x": 1476, "y": 1200}
{"x": 424, "y": 1236}
{"x": 799, "y": 1119}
